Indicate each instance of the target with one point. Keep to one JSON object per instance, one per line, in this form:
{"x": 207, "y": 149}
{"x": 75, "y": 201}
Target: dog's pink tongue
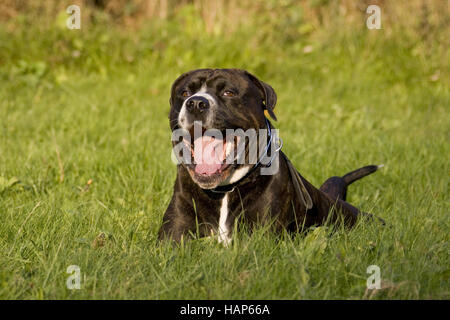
{"x": 208, "y": 155}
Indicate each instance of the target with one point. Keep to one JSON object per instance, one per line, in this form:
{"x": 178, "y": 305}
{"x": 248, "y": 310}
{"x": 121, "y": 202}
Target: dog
{"x": 209, "y": 197}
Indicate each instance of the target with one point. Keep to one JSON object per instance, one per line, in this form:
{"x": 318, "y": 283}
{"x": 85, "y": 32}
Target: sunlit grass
{"x": 85, "y": 170}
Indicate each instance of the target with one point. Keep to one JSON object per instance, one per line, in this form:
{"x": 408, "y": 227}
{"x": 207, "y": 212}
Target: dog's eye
{"x": 228, "y": 93}
{"x": 185, "y": 94}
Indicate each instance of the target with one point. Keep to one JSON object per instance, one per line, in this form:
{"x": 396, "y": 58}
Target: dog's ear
{"x": 270, "y": 97}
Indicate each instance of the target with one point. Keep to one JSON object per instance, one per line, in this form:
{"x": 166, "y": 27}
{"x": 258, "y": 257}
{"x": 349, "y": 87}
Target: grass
{"x": 85, "y": 170}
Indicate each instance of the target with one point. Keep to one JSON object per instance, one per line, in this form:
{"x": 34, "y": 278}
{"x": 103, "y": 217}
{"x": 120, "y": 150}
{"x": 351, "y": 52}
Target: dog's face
{"x": 218, "y": 99}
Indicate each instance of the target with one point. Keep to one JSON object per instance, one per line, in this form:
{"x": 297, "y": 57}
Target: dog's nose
{"x": 197, "y": 104}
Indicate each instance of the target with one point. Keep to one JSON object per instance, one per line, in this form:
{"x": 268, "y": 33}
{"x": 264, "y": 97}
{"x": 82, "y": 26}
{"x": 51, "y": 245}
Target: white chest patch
{"x": 224, "y": 232}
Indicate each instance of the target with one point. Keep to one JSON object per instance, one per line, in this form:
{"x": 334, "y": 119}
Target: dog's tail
{"x": 336, "y": 187}
{"x": 351, "y": 177}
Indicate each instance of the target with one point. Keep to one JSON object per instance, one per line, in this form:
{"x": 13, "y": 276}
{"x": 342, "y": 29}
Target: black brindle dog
{"x": 209, "y": 196}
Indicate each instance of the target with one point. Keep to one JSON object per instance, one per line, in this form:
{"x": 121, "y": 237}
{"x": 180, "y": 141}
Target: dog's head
{"x": 214, "y": 100}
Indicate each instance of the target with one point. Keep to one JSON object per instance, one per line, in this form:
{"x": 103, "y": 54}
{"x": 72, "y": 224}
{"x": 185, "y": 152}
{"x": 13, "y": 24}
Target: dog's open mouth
{"x": 212, "y": 157}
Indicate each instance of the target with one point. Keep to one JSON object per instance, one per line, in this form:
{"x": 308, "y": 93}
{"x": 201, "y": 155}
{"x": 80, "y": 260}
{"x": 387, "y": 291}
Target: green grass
{"x": 84, "y": 128}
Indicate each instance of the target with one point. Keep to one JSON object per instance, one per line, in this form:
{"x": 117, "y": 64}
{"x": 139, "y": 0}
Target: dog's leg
{"x": 177, "y": 223}
{"x": 336, "y": 187}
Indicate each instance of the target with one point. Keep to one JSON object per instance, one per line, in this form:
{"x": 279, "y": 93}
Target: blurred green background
{"x": 268, "y": 37}
{"x": 85, "y": 170}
